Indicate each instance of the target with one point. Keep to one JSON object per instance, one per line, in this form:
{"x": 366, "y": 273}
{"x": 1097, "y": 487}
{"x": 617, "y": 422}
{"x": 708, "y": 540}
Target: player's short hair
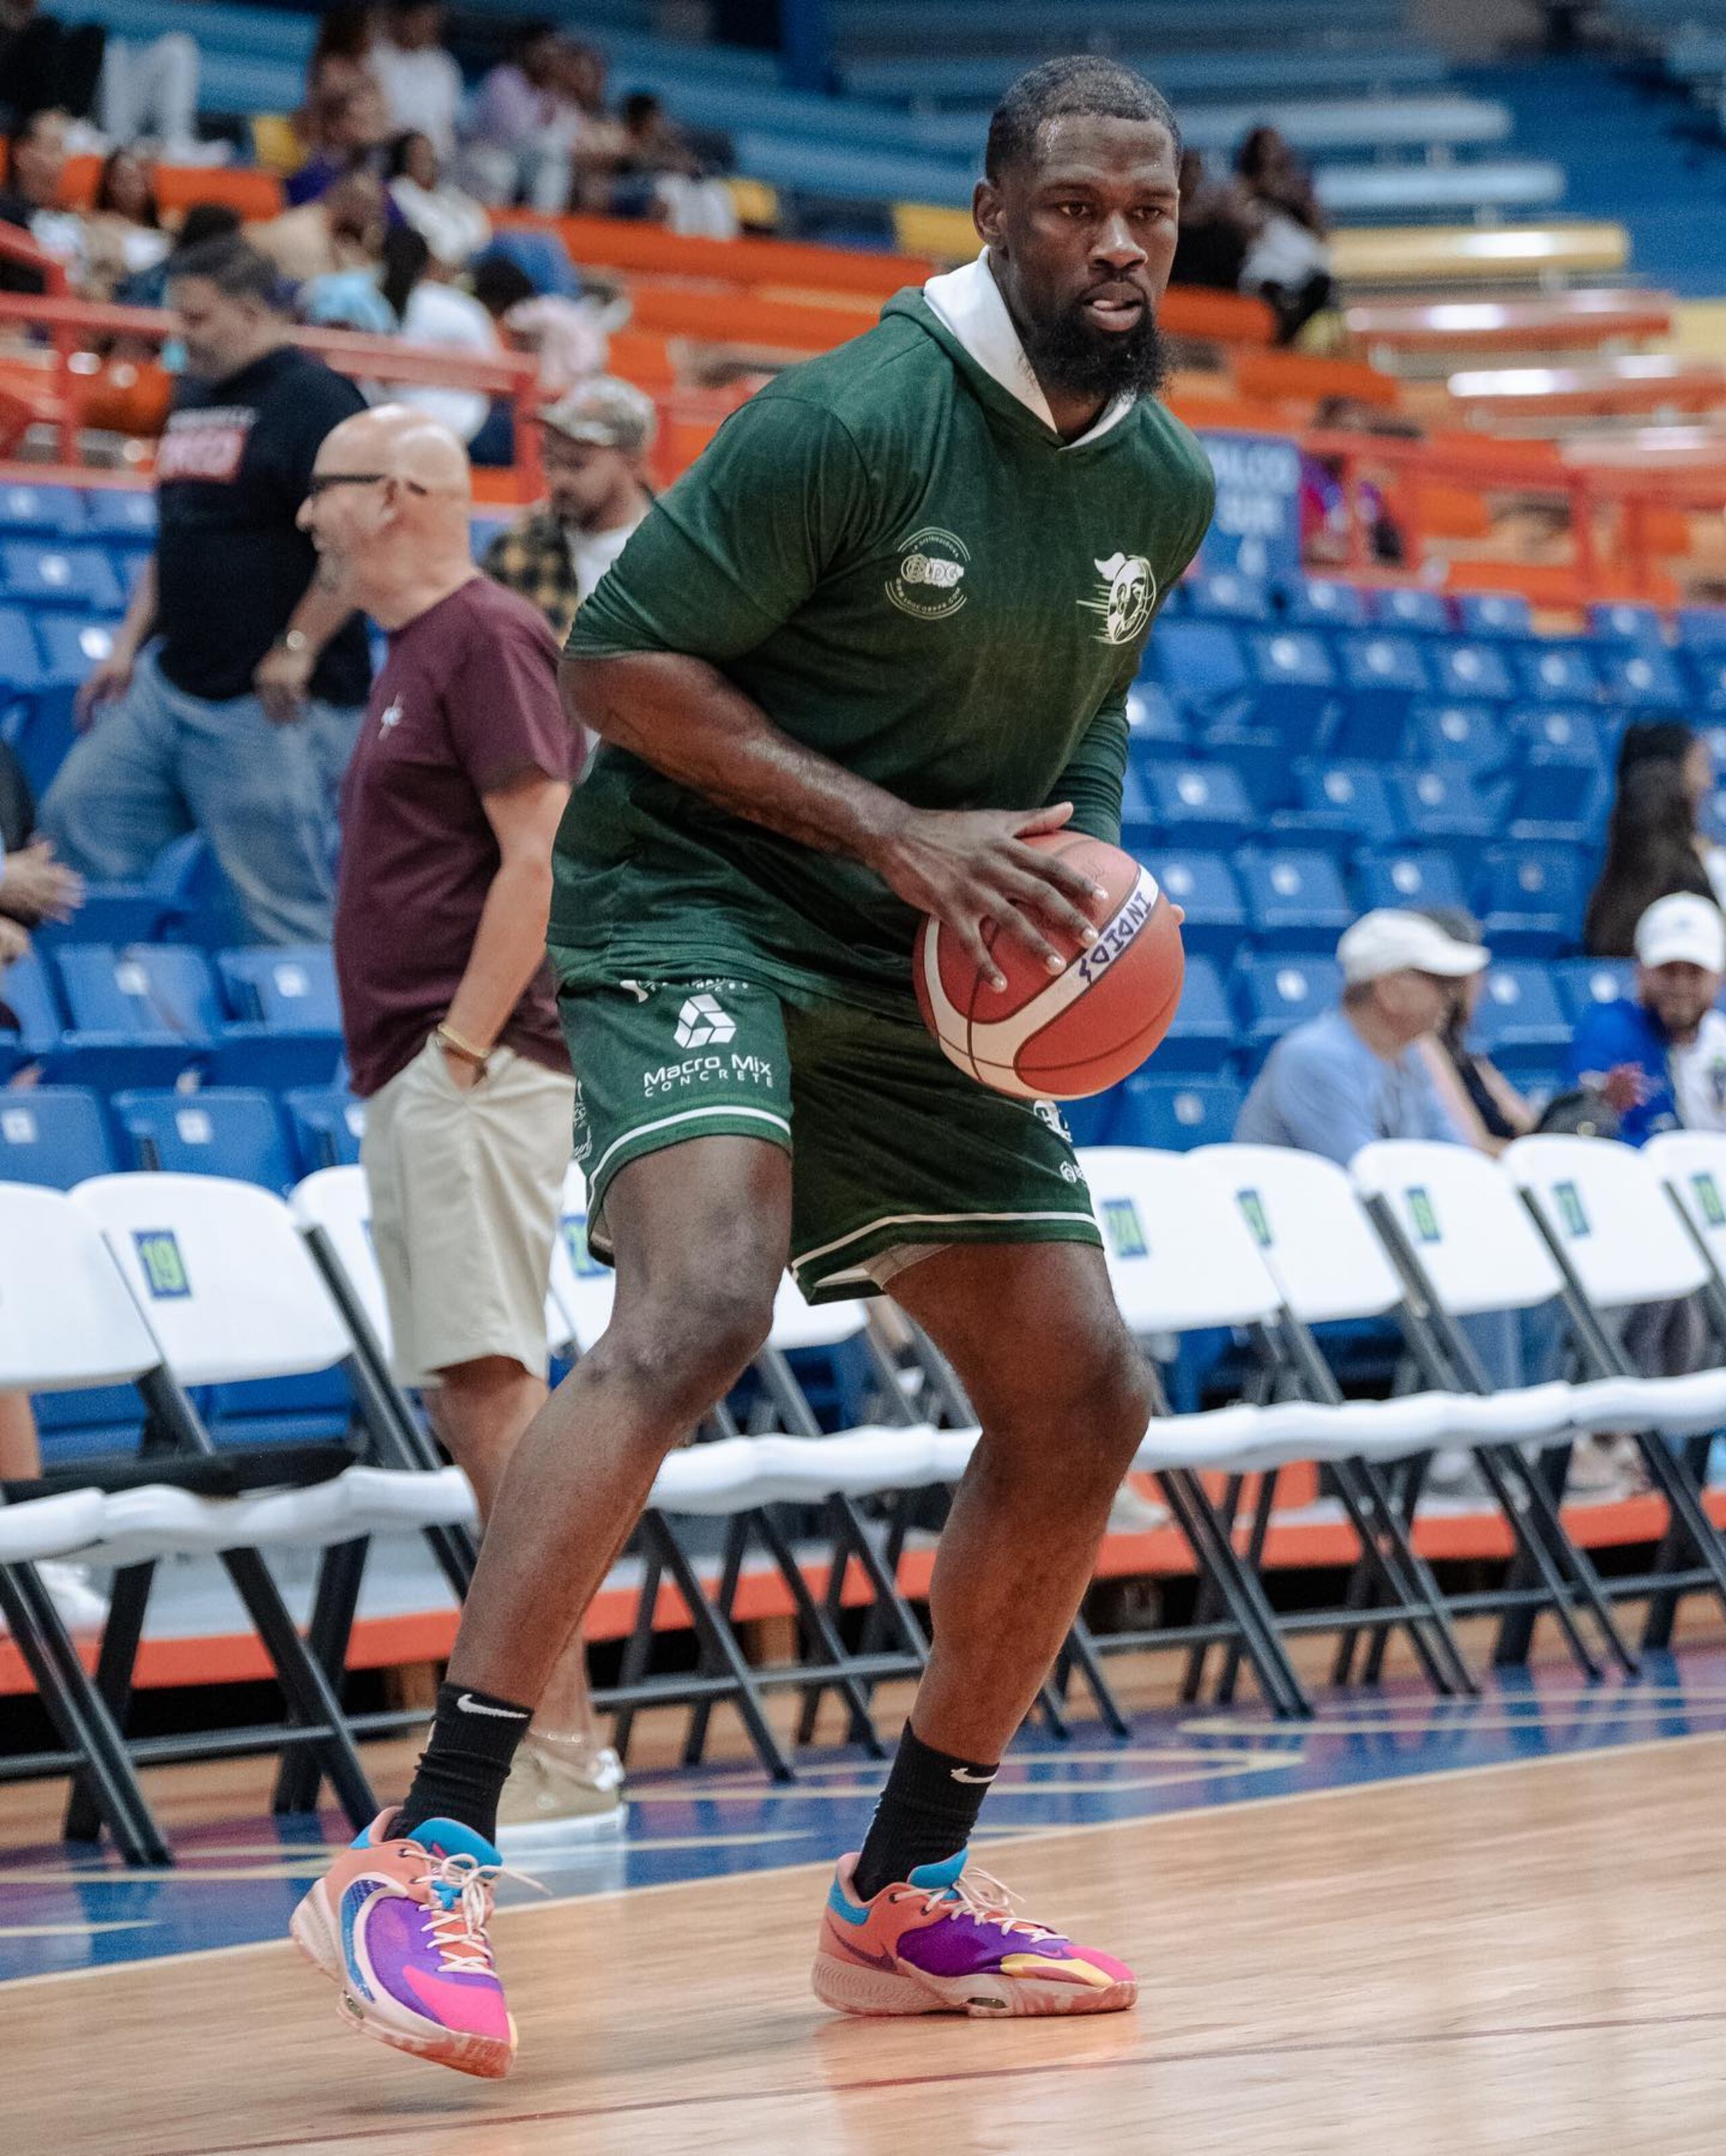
{"x": 237, "y": 269}
{"x": 1080, "y": 82}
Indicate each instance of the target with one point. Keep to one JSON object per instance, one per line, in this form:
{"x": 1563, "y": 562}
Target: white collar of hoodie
{"x": 968, "y": 302}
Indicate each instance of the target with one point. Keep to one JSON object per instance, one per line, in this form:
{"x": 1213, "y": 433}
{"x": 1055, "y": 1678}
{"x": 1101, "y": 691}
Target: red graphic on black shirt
{"x": 206, "y": 445}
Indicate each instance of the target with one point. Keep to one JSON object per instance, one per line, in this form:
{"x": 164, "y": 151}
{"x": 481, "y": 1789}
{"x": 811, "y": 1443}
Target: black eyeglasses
{"x": 321, "y": 482}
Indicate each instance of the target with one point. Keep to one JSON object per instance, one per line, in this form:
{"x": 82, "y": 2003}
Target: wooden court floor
{"x": 1529, "y": 1956}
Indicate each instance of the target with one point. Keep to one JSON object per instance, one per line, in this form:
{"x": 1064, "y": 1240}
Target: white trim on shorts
{"x": 683, "y": 1116}
{"x": 802, "y": 1258}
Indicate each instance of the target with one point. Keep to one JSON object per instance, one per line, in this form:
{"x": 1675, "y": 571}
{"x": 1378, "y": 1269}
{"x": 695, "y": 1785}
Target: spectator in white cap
{"x": 594, "y": 445}
{"x": 1353, "y": 1074}
{"x": 1658, "y": 1055}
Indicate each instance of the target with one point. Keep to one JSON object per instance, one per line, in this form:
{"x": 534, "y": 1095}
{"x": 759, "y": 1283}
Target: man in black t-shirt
{"x": 238, "y": 720}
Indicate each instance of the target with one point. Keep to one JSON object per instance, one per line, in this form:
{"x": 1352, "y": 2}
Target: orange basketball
{"x": 1061, "y": 1036}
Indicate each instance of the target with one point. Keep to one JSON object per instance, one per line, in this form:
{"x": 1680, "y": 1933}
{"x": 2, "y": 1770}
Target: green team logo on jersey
{"x": 1124, "y": 598}
{"x": 930, "y": 582}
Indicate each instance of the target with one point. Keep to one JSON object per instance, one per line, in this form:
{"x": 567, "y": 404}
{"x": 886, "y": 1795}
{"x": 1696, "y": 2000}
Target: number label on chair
{"x": 1124, "y": 1228}
{"x": 1423, "y": 1214}
{"x": 164, "y": 1268}
{"x": 1258, "y": 1221}
{"x": 1572, "y": 1213}
{"x": 1707, "y": 1196}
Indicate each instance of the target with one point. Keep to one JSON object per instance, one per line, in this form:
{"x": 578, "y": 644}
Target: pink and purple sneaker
{"x": 947, "y": 1941}
{"x": 399, "y": 1923}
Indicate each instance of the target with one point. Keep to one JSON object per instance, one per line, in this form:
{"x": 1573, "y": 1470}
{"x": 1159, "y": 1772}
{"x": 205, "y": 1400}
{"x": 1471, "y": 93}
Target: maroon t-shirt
{"x": 467, "y": 702}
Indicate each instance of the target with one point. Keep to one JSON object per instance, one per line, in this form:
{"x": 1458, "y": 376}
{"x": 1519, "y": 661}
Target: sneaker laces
{"x": 458, "y": 1907}
{"x": 978, "y": 1895}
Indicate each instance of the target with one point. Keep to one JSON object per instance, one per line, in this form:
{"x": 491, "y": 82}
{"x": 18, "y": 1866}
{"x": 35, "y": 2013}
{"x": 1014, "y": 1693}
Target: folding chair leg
{"x": 1255, "y": 1565}
{"x": 1686, "y": 1510}
{"x": 1576, "y": 1560}
{"x": 1366, "y": 1519}
{"x": 1241, "y": 1592}
{"x": 85, "y": 1726}
{"x": 833, "y": 1603}
{"x": 720, "y": 1643}
{"x": 1207, "y": 1602}
{"x": 736, "y": 1544}
{"x": 1663, "y": 1607}
{"x": 114, "y": 1666}
{"x": 1420, "y": 1586}
{"x": 818, "y": 1630}
{"x": 637, "y": 1648}
{"x": 340, "y": 1572}
{"x": 1506, "y": 1470}
{"x": 1080, "y": 1650}
{"x": 311, "y": 1699}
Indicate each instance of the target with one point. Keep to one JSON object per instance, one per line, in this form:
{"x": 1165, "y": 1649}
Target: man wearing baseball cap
{"x": 1659, "y": 1054}
{"x": 594, "y": 444}
{"x": 1352, "y": 1075}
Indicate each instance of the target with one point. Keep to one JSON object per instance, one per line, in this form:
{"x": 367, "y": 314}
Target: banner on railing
{"x": 1257, "y": 529}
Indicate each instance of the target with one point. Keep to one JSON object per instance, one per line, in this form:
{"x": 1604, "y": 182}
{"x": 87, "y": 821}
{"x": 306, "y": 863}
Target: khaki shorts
{"x": 466, "y": 1190}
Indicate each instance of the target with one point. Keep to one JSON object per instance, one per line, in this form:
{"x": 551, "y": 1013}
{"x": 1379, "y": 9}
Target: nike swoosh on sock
{"x": 469, "y": 1705}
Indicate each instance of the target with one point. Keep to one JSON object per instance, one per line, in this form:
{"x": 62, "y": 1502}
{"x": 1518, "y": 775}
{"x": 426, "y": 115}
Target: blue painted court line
{"x": 238, "y": 1884}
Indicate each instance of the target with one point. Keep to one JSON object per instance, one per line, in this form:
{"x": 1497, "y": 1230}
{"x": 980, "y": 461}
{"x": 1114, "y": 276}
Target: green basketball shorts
{"x": 895, "y": 1153}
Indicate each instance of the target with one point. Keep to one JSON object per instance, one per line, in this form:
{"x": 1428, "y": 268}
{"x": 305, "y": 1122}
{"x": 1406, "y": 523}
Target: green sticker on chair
{"x": 582, "y": 1261}
{"x": 1573, "y": 1214}
{"x": 1707, "y": 1196}
{"x": 1423, "y": 1213}
{"x": 1125, "y": 1230}
{"x": 1252, "y": 1211}
{"x": 164, "y": 1268}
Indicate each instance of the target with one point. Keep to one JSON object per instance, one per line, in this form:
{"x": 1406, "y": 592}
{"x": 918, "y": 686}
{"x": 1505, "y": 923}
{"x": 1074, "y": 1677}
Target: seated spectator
{"x": 660, "y": 175}
{"x": 455, "y": 226}
{"x": 523, "y": 127}
{"x": 1219, "y": 222}
{"x": 1652, "y": 741}
{"x": 341, "y": 61}
{"x": 419, "y": 79}
{"x": 149, "y": 92}
{"x": 204, "y": 220}
{"x": 594, "y": 450}
{"x": 34, "y": 885}
{"x": 1652, "y": 848}
{"x": 430, "y": 311}
{"x": 124, "y": 234}
{"x": 46, "y": 64}
{"x": 348, "y": 132}
{"x": 343, "y": 230}
{"x": 1288, "y": 264}
{"x": 35, "y": 171}
{"x": 1479, "y": 1098}
{"x": 1353, "y": 1075}
{"x": 1658, "y": 1055}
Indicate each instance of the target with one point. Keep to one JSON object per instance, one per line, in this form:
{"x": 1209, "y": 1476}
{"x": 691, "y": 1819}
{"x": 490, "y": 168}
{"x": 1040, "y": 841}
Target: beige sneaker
{"x": 553, "y": 1795}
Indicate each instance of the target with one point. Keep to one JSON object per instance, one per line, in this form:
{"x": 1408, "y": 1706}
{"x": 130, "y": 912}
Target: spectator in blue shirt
{"x": 1658, "y": 1055}
{"x": 1354, "y": 1073}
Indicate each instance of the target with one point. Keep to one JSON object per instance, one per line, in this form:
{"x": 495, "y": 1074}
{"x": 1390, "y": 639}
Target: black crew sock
{"x": 462, "y": 1771}
{"x": 926, "y": 1813}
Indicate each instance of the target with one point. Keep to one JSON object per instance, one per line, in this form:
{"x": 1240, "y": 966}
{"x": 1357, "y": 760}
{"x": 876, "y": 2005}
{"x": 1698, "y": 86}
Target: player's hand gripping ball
{"x": 1063, "y": 1036}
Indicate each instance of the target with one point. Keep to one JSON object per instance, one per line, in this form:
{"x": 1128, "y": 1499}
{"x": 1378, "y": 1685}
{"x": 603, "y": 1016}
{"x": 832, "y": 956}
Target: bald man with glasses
{"x": 462, "y": 766}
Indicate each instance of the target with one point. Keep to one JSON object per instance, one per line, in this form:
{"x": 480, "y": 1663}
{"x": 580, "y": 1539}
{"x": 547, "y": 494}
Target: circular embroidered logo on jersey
{"x": 1126, "y": 594}
{"x": 930, "y": 584}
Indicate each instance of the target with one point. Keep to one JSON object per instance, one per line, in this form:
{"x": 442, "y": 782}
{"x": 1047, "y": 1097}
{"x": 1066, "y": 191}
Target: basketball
{"x": 1066, "y": 1035}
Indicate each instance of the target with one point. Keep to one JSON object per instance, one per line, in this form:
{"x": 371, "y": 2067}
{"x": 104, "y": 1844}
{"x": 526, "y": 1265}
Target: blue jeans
{"x": 158, "y": 763}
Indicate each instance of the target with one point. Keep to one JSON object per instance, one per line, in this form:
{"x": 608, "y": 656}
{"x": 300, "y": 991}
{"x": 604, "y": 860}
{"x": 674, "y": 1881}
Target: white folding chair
{"x": 1620, "y": 1243}
{"x": 1465, "y": 1245}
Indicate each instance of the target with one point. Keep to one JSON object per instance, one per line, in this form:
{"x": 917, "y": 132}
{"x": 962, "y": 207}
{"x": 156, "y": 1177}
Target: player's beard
{"x": 1069, "y": 353}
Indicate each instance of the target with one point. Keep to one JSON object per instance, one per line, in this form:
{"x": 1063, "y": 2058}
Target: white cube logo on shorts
{"x": 701, "y": 1021}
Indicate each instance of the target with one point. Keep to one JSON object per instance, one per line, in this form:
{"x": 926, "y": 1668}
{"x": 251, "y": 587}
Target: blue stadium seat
{"x": 1412, "y": 612}
{"x": 1555, "y": 794}
{"x": 126, "y": 513}
{"x": 1273, "y": 995}
{"x": 1413, "y": 877}
{"x": 144, "y": 1011}
{"x": 1196, "y": 804}
{"x": 52, "y": 513}
{"x": 1494, "y": 614}
{"x": 1702, "y": 629}
{"x": 1439, "y": 802}
{"x": 1382, "y": 676}
{"x": 1471, "y": 735}
{"x": 1295, "y": 681}
{"x": 1582, "y": 982}
{"x": 1203, "y": 1034}
{"x": 1623, "y": 623}
{"x": 1565, "y": 730}
{"x": 40, "y": 572}
{"x": 1342, "y": 806}
{"x": 1558, "y": 674}
{"x": 1203, "y": 886}
{"x": 1321, "y": 602}
{"x": 1260, "y": 759}
{"x": 1707, "y": 673}
{"x": 52, "y": 1134}
{"x": 1466, "y": 670}
{"x": 232, "y": 1130}
{"x": 1376, "y": 663}
{"x": 1520, "y": 1022}
{"x": 292, "y": 986}
{"x": 1091, "y": 1122}
{"x": 1295, "y": 899}
{"x": 1227, "y": 595}
{"x": 1174, "y": 1114}
{"x": 27, "y": 996}
{"x": 1153, "y": 720}
{"x": 1530, "y": 899}
{"x": 1640, "y": 677}
{"x": 1200, "y": 663}
{"x": 325, "y": 1124}
{"x": 111, "y": 913}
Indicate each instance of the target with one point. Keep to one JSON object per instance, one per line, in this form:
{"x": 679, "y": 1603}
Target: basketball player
{"x": 878, "y": 637}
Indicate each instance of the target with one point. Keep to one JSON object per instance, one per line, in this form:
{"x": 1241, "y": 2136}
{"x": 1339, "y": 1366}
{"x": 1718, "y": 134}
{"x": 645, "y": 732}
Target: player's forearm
{"x": 508, "y": 947}
{"x": 1095, "y": 775}
{"x": 683, "y": 717}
